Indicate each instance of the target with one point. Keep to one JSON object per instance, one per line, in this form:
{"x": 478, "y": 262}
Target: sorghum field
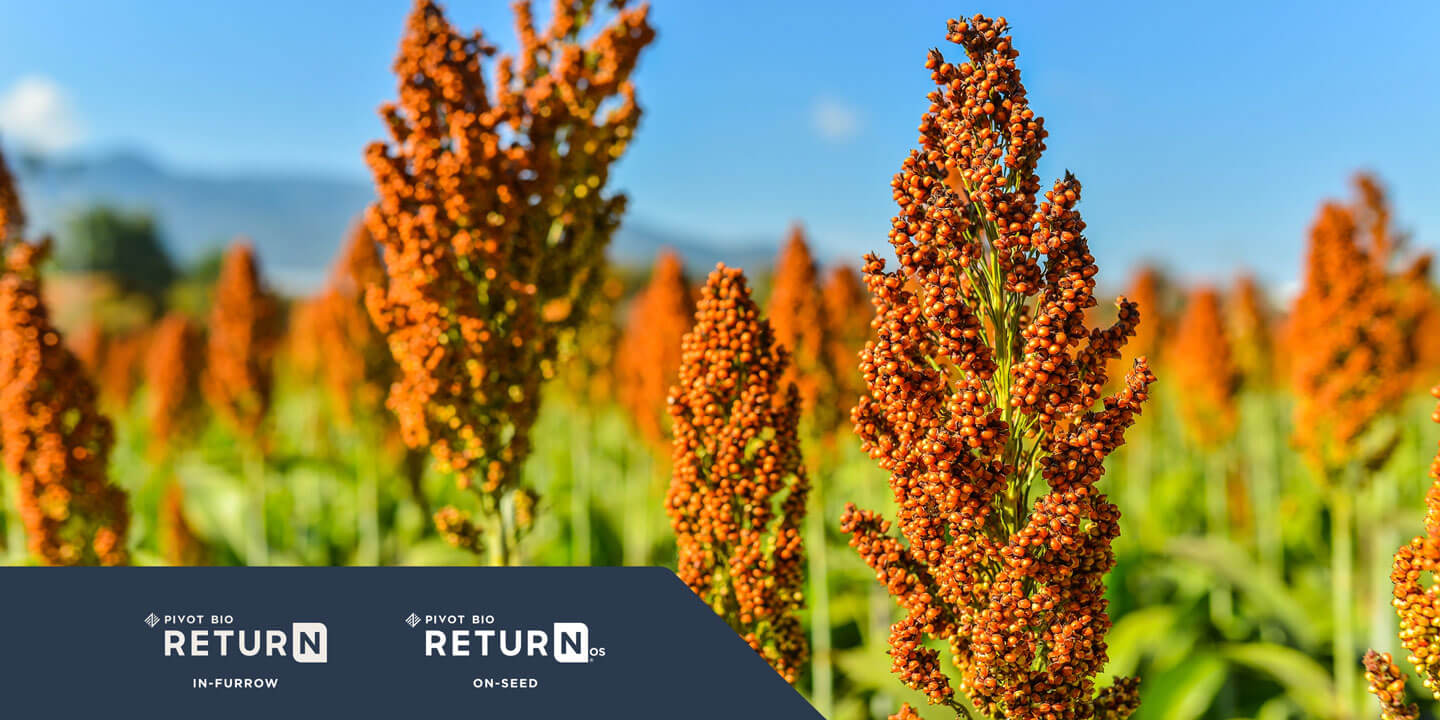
{"x": 976, "y": 476}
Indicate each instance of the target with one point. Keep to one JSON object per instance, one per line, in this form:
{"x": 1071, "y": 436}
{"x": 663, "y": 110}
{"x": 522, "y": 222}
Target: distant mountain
{"x": 296, "y": 221}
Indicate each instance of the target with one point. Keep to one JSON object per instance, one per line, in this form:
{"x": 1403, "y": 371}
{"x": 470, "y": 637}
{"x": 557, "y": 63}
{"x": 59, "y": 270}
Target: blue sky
{"x": 1205, "y": 134}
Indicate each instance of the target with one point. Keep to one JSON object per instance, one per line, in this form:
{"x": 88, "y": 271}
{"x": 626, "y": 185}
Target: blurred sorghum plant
{"x": 1349, "y": 359}
{"x": 1199, "y": 353}
{"x": 1252, "y": 328}
{"x": 848, "y": 313}
{"x": 121, "y": 367}
{"x": 494, "y": 222}
{"x": 174, "y": 364}
{"x": 590, "y": 368}
{"x": 983, "y": 381}
{"x": 649, "y": 350}
{"x": 55, "y": 441}
{"x": 797, "y": 313}
{"x": 1408, "y": 279}
{"x": 179, "y": 544}
{"x": 737, "y": 496}
{"x": 244, "y": 333}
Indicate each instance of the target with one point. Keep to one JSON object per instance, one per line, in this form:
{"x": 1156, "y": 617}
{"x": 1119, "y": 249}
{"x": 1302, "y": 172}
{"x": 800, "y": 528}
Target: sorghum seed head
{"x": 174, "y": 364}
{"x": 1200, "y": 355}
{"x": 493, "y": 220}
{"x": 649, "y": 350}
{"x": 983, "y": 385}
{"x": 737, "y": 496}
{"x": 56, "y": 443}
{"x": 798, "y": 315}
{"x": 1349, "y": 357}
{"x": 244, "y": 332}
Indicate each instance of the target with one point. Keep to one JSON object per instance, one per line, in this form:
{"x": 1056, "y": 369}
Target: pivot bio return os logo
{"x": 457, "y": 635}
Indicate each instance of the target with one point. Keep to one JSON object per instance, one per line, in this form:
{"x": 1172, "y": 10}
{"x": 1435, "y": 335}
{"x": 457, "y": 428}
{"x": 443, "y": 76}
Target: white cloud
{"x": 37, "y": 113}
{"x": 834, "y": 120}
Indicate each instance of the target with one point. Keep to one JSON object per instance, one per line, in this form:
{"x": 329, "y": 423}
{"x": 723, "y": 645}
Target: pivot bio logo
{"x": 200, "y": 636}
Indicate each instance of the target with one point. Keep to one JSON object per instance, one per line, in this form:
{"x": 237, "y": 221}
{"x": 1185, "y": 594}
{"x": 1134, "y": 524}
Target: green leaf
{"x": 1136, "y": 635}
{"x": 1260, "y": 589}
{"x": 1304, "y": 680}
{"x": 1183, "y": 693}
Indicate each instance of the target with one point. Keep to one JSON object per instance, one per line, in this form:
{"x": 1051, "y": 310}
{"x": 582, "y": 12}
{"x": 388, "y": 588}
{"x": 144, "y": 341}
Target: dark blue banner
{"x": 374, "y": 642}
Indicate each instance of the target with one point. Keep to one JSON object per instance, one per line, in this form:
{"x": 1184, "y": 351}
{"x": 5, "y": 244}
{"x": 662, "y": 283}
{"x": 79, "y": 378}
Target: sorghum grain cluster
{"x": 1348, "y": 356}
{"x": 982, "y": 385}
{"x": 1200, "y": 355}
{"x": 56, "y": 443}
{"x": 848, "y": 312}
{"x": 244, "y": 333}
{"x": 797, "y": 313}
{"x": 649, "y": 350}
{"x": 1253, "y": 329}
{"x": 173, "y": 367}
{"x": 494, "y": 221}
{"x": 737, "y": 497}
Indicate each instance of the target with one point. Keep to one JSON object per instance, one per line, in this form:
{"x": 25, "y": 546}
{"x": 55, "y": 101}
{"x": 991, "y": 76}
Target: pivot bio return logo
{"x": 477, "y": 636}
{"x": 199, "y": 635}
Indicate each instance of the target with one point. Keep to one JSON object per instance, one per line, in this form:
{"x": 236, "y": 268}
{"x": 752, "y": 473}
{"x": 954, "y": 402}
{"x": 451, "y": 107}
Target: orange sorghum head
{"x": 121, "y": 367}
{"x": 649, "y": 349}
{"x": 1199, "y": 353}
{"x": 173, "y": 367}
{"x": 983, "y": 381}
{"x": 1253, "y": 330}
{"x": 494, "y": 220}
{"x": 848, "y": 313}
{"x": 55, "y": 441}
{"x": 244, "y": 332}
{"x": 737, "y": 497}
{"x": 179, "y": 544}
{"x": 1348, "y": 355}
{"x": 797, "y": 312}
{"x": 1387, "y": 684}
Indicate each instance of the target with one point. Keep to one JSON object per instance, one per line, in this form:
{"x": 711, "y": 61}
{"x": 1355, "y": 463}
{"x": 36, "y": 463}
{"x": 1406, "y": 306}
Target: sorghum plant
{"x": 244, "y": 333}
{"x": 982, "y": 385}
{"x": 1200, "y": 355}
{"x": 737, "y": 496}
{"x": 848, "y": 313}
{"x": 1253, "y": 330}
{"x": 797, "y": 313}
{"x": 494, "y": 221}
{"x": 591, "y": 361}
{"x": 179, "y": 544}
{"x": 173, "y": 367}
{"x": 1409, "y": 280}
{"x": 649, "y": 350}
{"x": 55, "y": 441}
{"x": 1350, "y": 364}
{"x": 1348, "y": 353}
{"x": 1387, "y": 684}
{"x": 121, "y": 368}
